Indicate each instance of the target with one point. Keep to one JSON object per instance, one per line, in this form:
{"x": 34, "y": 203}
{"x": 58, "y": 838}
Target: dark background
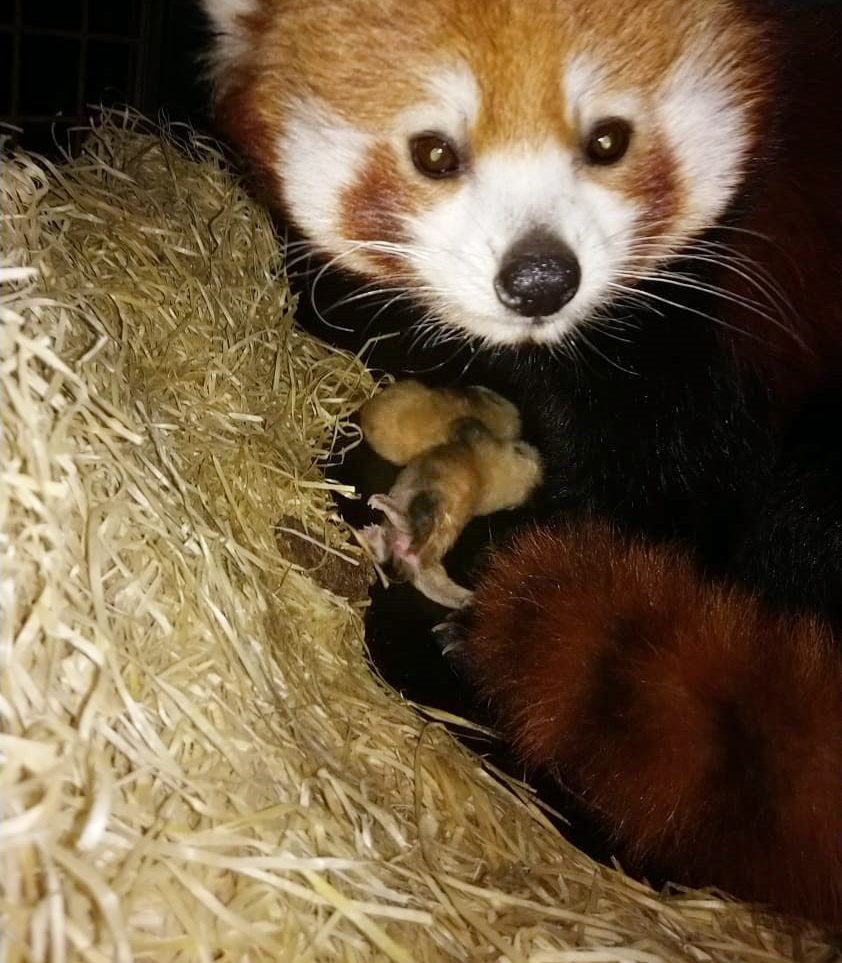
{"x": 60, "y": 58}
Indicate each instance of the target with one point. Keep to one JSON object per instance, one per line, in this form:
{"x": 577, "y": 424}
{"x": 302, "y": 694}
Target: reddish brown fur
{"x": 236, "y": 116}
{"x": 372, "y": 208}
{"x": 654, "y": 179}
{"x": 706, "y": 732}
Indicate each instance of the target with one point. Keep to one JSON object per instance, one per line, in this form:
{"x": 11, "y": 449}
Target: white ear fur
{"x": 224, "y": 15}
{"x": 229, "y": 45}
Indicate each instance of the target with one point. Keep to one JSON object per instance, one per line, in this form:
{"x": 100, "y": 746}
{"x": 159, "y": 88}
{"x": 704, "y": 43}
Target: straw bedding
{"x": 198, "y": 763}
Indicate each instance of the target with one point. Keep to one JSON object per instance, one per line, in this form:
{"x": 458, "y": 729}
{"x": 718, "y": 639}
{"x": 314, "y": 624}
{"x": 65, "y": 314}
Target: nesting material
{"x": 198, "y": 765}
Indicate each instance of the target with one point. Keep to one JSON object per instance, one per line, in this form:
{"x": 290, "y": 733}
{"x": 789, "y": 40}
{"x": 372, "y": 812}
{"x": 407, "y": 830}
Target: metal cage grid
{"x": 61, "y": 58}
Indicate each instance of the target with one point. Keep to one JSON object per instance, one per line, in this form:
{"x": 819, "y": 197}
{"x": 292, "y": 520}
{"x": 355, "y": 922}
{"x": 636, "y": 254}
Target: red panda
{"x": 630, "y": 210}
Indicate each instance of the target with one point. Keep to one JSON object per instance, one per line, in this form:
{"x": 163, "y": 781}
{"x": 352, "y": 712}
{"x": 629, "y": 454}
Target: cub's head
{"x": 514, "y": 164}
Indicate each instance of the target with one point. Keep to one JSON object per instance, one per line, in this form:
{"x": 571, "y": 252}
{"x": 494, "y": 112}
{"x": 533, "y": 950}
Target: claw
{"x": 389, "y": 507}
{"x": 449, "y": 636}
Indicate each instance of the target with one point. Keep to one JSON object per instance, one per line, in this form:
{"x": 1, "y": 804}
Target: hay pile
{"x": 198, "y": 765}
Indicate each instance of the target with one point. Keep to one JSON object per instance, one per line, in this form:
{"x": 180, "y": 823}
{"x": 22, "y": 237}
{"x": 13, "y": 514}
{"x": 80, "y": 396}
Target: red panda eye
{"x": 608, "y": 141}
{"x": 434, "y": 156}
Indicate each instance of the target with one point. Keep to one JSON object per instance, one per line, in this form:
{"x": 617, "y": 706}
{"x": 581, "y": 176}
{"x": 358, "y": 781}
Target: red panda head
{"x": 513, "y": 164}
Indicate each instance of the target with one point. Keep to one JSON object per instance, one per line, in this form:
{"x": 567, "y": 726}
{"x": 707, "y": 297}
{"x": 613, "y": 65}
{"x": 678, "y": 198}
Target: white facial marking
{"x": 456, "y": 89}
{"x": 587, "y": 99}
{"x": 582, "y": 78}
{"x": 460, "y": 243}
{"x": 706, "y": 129}
{"x": 450, "y": 107}
{"x": 320, "y": 155}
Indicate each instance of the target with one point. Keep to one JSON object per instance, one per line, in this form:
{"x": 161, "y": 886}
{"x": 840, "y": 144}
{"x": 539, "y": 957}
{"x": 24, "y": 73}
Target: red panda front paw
{"x": 704, "y": 733}
{"x": 451, "y": 636}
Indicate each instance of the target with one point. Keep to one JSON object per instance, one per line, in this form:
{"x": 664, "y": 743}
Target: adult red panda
{"x": 635, "y": 206}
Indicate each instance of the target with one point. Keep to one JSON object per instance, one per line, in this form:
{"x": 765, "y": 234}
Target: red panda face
{"x": 514, "y": 165}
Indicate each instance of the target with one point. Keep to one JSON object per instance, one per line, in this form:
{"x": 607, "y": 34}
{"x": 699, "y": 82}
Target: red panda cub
{"x": 461, "y": 457}
{"x": 630, "y": 211}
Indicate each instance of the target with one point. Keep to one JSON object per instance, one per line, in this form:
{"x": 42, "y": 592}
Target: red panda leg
{"x": 703, "y": 732}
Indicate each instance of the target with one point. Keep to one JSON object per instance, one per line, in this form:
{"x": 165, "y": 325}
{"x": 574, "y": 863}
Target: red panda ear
{"x": 226, "y": 15}
{"x": 228, "y": 19}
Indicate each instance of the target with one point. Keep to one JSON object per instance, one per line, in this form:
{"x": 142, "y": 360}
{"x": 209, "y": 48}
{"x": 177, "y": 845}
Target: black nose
{"x": 539, "y": 275}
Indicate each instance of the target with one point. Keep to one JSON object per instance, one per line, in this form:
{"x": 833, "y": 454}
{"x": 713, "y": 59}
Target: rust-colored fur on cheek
{"x": 705, "y": 732}
{"x": 373, "y": 208}
{"x": 654, "y": 181}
